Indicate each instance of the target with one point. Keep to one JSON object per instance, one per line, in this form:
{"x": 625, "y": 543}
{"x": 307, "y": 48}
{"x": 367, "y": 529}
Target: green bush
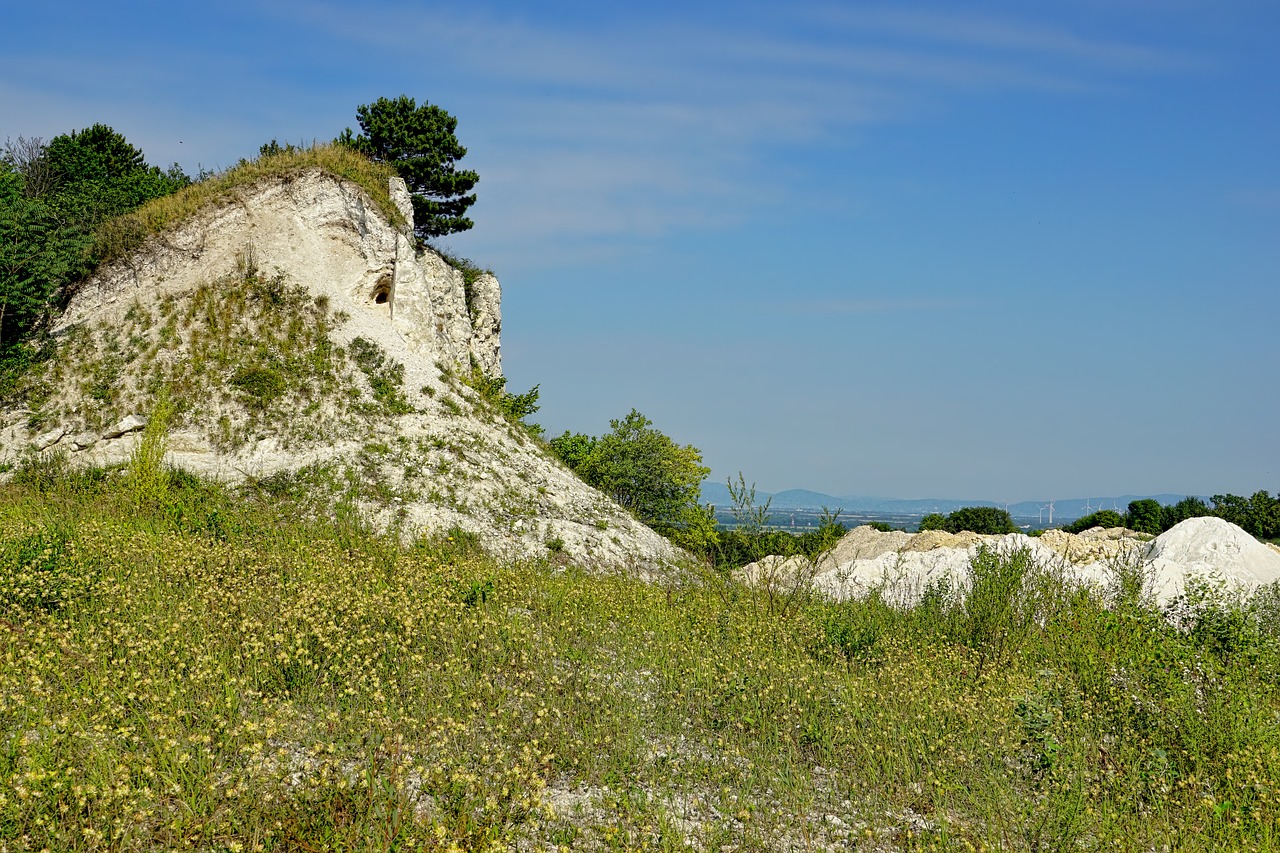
{"x": 573, "y": 449}
{"x": 644, "y": 471}
{"x": 1101, "y": 518}
{"x": 1145, "y": 516}
{"x": 514, "y": 407}
{"x": 976, "y": 519}
{"x": 261, "y": 386}
{"x": 933, "y": 521}
{"x": 385, "y": 375}
{"x": 981, "y": 519}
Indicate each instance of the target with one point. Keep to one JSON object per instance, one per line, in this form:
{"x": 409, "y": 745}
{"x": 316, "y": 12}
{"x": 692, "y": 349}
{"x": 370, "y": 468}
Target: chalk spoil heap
{"x": 903, "y": 566}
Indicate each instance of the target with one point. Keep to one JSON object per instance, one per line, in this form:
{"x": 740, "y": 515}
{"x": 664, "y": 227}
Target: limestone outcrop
{"x": 301, "y": 338}
{"x": 326, "y": 234}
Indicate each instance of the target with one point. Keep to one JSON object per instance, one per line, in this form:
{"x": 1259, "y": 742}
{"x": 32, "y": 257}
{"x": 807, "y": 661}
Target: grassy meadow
{"x": 187, "y": 667}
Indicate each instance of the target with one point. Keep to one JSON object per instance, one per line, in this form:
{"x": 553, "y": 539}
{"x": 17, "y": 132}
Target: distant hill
{"x": 806, "y": 499}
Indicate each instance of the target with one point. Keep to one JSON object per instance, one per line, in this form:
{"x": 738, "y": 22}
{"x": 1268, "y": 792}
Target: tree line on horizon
{"x": 1258, "y": 514}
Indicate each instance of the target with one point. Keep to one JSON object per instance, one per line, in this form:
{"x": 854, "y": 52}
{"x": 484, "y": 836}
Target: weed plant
{"x": 219, "y": 671}
{"x": 241, "y": 353}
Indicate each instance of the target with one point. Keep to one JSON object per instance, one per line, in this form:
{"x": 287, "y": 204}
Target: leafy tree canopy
{"x": 1259, "y": 514}
{"x": 1145, "y": 516}
{"x": 573, "y": 448}
{"x": 976, "y": 519}
{"x": 419, "y": 142}
{"x": 52, "y": 198}
{"x": 933, "y": 521}
{"x": 1101, "y": 518}
{"x": 38, "y": 256}
{"x": 96, "y": 174}
{"x": 644, "y": 471}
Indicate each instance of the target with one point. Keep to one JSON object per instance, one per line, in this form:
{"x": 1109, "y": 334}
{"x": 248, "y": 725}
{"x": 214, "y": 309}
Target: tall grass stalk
{"x": 147, "y": 479}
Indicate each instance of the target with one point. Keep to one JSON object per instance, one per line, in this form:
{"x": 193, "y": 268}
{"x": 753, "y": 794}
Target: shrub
{"x": 514, "y": 407}
{"x": 975, "y": 519}
{"x": 981, "y": 519}
{"x": 385, "y": 375}
{"x": 1145, "y": 516}
{"x": 645, "y": 471}
{"x": 1101, "y": 518}
{"x": 933, "y": 521}
{"x": 261, "y": 386}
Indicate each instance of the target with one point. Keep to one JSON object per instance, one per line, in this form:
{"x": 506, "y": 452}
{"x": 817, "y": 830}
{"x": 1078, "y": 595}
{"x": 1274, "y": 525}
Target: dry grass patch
{"x": 120, "y": 236}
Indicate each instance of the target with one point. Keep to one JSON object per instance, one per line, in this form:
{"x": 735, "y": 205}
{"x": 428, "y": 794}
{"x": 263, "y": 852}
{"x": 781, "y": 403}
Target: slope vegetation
{"x": 291, "y": 332}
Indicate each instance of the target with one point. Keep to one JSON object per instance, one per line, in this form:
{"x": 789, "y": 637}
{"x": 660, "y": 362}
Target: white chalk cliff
{"x": 303, "y": 335}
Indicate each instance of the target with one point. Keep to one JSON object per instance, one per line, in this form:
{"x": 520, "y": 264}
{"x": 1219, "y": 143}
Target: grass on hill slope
{"x": 184, "y": 667}
{"x": 122, "y": 235}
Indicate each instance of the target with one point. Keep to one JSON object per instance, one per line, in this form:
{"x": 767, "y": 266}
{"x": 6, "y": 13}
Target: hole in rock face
{"x": 381, "y": 294}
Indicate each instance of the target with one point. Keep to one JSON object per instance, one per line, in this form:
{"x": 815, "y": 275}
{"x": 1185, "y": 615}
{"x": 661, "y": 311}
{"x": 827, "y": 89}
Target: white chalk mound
{"x": 902, "y": 577}
{"x": 902, "y": 567}
{"x": 1213, "y": 550}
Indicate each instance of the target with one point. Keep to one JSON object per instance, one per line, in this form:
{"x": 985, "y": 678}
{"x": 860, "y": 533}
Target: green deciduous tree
{"x": 38, "y": 257}
{"x": 573, "y": 448}
{"x": 1101, "y": 518}
{"x": 96, "y": 174}
{"x": 1188, "y": 507}
{"x": 933, "y": 521}
{"x": 646, "y": 472}
{"x": 1145, "y": 516}
{"x": 1258, "y": 514}
{"x": 976, "y": 519}
{"x": 419, "y": 142}
{"x": 981, "y": 519}
{"x": 52, "y": 198}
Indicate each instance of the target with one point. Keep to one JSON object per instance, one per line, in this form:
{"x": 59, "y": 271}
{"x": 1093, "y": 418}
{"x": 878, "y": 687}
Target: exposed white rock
{"x": 1212, "y": 550}
{"x": 325, "y": 233}
{"x": 444, "y": 459}
{"x": 126, "y": 425}
{"x": 902, "y": 566}
{"x": 84, "y": 440}
{"x": 48, "y": 438}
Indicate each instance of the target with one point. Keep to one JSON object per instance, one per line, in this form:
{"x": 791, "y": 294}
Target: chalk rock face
{"x": 326, "y": 233}
{"x": 485, "y": 308}
{"x": 301, "y": 338}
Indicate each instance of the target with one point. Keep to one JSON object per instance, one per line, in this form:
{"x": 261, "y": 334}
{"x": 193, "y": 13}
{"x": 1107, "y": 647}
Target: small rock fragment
{"x": 127, "y": 424}
{"x": 49, "y": 438}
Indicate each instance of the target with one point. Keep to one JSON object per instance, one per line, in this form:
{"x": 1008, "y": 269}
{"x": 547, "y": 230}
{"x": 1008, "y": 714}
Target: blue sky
{"x": 970, "y": 250}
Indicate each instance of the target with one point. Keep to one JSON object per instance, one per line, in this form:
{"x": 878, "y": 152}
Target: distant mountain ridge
{"x": 806, "y": 499}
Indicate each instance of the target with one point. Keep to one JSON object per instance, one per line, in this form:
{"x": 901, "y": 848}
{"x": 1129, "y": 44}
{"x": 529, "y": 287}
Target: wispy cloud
{"x": 617, "y": 125}
{"x": 1011, "y": 36}
{"x": 626, "y": 126}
